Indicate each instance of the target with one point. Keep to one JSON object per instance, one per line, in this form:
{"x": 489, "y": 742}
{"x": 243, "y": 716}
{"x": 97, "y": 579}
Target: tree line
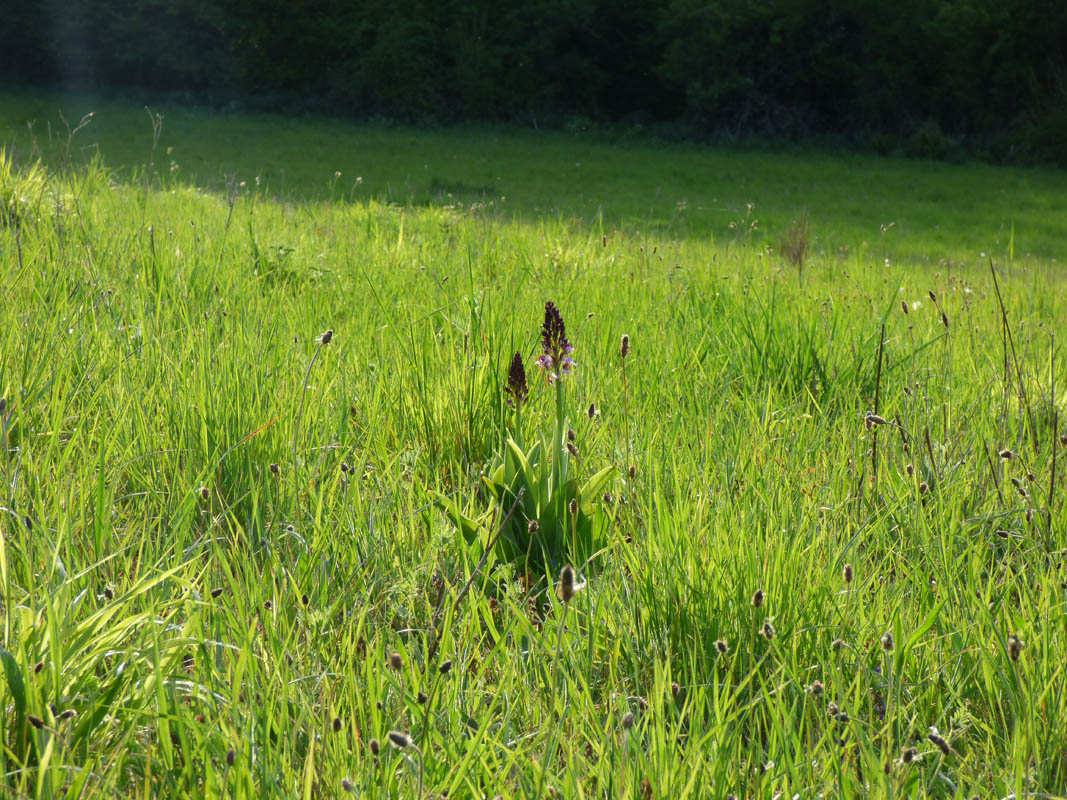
{"x": 929, "y": 76}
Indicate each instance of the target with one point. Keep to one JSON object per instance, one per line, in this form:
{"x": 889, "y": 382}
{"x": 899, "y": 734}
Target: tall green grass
{"x": 216, "y": 529}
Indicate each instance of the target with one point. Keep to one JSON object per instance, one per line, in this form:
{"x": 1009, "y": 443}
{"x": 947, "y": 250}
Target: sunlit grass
{"x": 217, "y": 529}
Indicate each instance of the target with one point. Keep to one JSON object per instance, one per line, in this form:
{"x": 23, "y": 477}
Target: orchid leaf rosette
{"x": 555, "y": 520}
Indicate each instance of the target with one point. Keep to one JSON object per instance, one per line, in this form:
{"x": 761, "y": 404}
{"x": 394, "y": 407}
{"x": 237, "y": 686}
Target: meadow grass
{"x": 839, "y": 489}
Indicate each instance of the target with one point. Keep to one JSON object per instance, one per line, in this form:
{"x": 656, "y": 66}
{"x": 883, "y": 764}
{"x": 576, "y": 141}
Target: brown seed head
{"x": 628, "y": 721}
{"x": 399, "y": 740}
{"x": 566, "y": 584}
{"x": 231, "y": 756}
{"x": 904, "y": 307}
{"x": 721, "y": 647}
{"x": 815, "y": 689}
{"x": 768, "y": 630}
{"x": 572, "y": 449}
{"x": 445, "y": 667}
{"x": 532, "y": 527}
{"x": 933, "y": 297}
{"x": 924, "y": 487}
{"x": 757, "y": 598}
{"x": 940, "y": 743}
{"x": 396, "y": 661}
{"x": 572, "y": 506}
{"x": 632, "y": 472}
{"x": 908, "y": 754}
{"x": 336, "y": 724}
{"x": 375, "y": 747}
{"x": 347, "y": 785}
{"x": 205, "y": 493}
{"x": 846, "y": 573}
{"x": 837, "y": 644}
{"x": 1015, "y": 647}
{"x": 832, "y": 709}
{"x": 592, "y": 411}
{"x": 274, "y": 469}
{"x": 887, "y": 641}
{"x": 326, "y": 337}
{"x": 910, "y": 469}
{"x": 1006, "y": 454}
{"x": 624, "y": 346}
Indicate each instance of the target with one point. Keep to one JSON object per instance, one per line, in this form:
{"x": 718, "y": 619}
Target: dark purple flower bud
{"x": 516, "y": 389}
{"x": 556, "y": 356}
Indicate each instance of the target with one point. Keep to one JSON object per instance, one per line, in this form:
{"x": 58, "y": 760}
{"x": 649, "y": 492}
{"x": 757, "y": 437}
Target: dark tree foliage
{"x": 925, "y": 76}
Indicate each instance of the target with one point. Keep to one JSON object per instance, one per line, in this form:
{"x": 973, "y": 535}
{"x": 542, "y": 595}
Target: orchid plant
{"x": 553, "y": 518}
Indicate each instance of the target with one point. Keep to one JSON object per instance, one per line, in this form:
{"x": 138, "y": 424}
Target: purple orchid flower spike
{"x": 516, "y": 390}
{"x": 556, "y": 358}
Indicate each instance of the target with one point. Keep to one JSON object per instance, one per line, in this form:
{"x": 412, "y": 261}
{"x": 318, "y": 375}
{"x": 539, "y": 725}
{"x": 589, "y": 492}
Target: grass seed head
{"x": 939, "y": 742}
{"x": 336, "y": 724}
{"x": 908, "y": 754}
{"x": 904, "y": 307}
{"x": 422, "y": 698}
{"x": 445, "y": 667}
{"x": 326, "y": 337}
{"x": 1006, "y": 454}
{"x": 399, "y": 740}
{"x": 628, "y": 720}
{"x": 572, "y": 449}
{"x": 205, "y": 493}
{"x": 757, "y": 598}
{"x": 721, "y": 647}
{"x": 924, "y": 487}
{"x": 768, "y": 630}
{"x": 592, "y": 411}
{"x": 375, "y": 747}
{"x": 815, "y": 688}
{"x": 396, "y": 661}
{"x": 887, "y": 641}
{"x": 1015, "y": 647}
{"x": 910, "y": 469}
{"x": 274, "y": 469}
{"x": 832, "y": 709}
{"x": 572, "y": 507}
{"x": 624, "y": 346}
{"x": 837, "y": 644}
{"x": 632, "y": 472}
{"x": 846, "y": 573}
{"x": 1063, "y": 439}
{"x": 347, "y": 785}
{"x": 231, "y": 756}
{"x": 532, "y": 527}
{"x": 566, "y": 584}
